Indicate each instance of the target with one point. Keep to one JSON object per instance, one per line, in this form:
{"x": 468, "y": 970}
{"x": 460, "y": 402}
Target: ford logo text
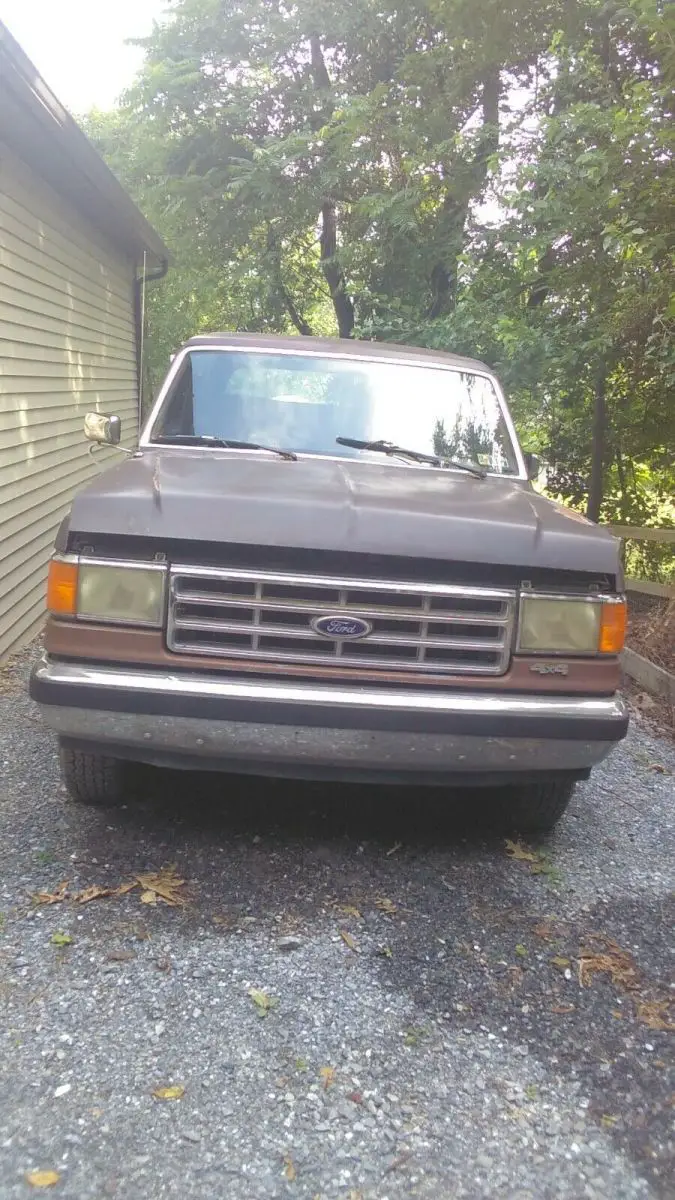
{"x": 342, "y": 628}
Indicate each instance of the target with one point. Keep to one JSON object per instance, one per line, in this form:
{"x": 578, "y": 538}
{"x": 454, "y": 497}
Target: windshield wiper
{"x": 382, "y": 447}
{"x": 208, "y": 439}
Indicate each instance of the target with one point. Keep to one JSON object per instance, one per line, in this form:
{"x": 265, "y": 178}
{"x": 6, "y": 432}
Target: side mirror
{"x": 532, "y": 465}
{"x": 107, "y": 431}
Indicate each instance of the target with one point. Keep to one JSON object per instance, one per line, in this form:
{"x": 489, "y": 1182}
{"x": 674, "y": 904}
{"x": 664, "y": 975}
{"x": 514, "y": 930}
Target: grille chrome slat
{"x": 291, "y": 631}
{"x": 265, "y": 615}
{"x": 312, "y": 608}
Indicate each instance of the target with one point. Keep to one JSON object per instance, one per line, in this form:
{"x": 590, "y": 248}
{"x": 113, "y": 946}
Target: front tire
{"x": 93, "y": 779}
{"x": 537, "y": 807}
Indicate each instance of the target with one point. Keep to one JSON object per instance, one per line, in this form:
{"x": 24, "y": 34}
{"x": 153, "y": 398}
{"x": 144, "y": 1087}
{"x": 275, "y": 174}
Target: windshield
{"x": 304, "y": 403}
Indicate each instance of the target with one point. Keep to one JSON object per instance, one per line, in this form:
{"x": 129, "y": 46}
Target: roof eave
{"x": 39, "y": 129}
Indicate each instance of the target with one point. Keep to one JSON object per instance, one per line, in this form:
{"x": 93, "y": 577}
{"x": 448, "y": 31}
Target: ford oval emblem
{"x": 341, "y": 628}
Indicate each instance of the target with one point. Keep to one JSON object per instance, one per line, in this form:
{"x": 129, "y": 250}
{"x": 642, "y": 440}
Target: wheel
{"x": 92, "y": 778}
{"x": 536, "y": 807}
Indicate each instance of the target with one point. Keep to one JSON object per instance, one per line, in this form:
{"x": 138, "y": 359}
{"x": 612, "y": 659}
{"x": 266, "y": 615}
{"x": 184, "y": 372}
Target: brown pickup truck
{"x": 327, "y": 560}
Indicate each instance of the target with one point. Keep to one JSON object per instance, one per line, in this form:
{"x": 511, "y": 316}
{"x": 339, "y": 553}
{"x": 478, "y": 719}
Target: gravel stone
{"x": 477, "y": 1078}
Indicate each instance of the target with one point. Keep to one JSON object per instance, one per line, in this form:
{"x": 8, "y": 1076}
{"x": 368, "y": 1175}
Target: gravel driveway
{"x": 419, "y": 1027}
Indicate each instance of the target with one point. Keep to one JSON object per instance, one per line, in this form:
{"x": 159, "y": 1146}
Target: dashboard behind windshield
{"x": 304, "y": 402}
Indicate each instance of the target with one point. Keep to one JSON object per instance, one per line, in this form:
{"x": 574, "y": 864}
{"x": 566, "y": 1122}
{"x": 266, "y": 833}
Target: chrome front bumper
{"x": 305, "y": 730}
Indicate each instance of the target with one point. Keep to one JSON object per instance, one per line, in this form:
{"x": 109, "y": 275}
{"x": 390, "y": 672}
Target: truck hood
{"x": 340, "y": 505}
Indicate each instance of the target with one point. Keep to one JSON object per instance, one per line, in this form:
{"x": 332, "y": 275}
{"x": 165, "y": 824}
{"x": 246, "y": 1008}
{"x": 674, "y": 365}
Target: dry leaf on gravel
{"x": 349, "y": 941}
{"x": 602, "y": 956}
{"x": 562, "y": 1009}
{"x": 560, "y": 962}
{"x": 327, "y": 1077}
{"x": 95, "y": 892}
{"x": 608, "y": 1120}
{"x": 544, "y": 932}
{"x": 60, "y": 893}
{"x": 174, "y": 1091}
{"x": 42, "y": 1179}
{"x": 289, "y": 1168}
{"x": 350, "y": 911}
{"x": 655, "y": 1014}
{"x": 385, "y": 905}
{"x": 262, "y": 1001}
{"x": 162, "y": 885}
{"x": 519, "y": 851}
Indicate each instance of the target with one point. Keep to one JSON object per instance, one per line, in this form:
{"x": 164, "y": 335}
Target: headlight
{"x": 126, "y": 593}
{"x": 572, "y": 626}
{"x": 130, "y": 594}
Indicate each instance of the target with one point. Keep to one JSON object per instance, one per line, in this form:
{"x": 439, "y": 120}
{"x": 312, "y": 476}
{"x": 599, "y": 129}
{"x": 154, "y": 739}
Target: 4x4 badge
{"x": 550, "y": 668}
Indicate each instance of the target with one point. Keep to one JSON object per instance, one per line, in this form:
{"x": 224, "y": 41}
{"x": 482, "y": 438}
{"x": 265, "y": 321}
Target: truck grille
{"x": 268, "y": 616}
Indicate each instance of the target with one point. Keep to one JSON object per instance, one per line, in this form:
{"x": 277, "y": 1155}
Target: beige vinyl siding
{"x": 67, "y": 346}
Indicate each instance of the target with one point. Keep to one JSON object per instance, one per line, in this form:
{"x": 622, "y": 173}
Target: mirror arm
{"x": 110, "y": 446}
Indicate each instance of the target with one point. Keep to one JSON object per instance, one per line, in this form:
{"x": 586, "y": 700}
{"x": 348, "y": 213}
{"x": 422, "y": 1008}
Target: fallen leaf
{"x": 164, "y": 885}
{"x": 175, "y": 1091}
{"x": 262, "y": 1001}
{"x": 385, "y": 952}
{"x": 385, "y": 905}
{"x": 42, "y": 1179}
{"x": 659, "y": 768}
{"x": 61, "y": 939}
{"x": 396, "y": 846}
{"x": 349, "y": 941}
{"x": 93, "y": 893}
{"x": 604, "y": 957}
{"x": 60, "y": 893}
{"x": 521, "y": 950}
{"x": 301, "y": 1064}
{"x": 531, "y": 1091}
{"x": 350, "y": 911}
{"x": 608, "y": 1121}
{"x": 289, "y": 1168}
{"x": 562, "y": 1009}
{"x": 560, "y": 962}
{"x": 327, "y": 1077}
{"x": 520, "y": 852}
{"x": 618, "y": 1015}
{"x": 544, "y": 932}
{"x": 414, "y": 1036}
{"x": 355, "y": 1097}
{"x": 126, "y": 887}
{"x": 148, "y": 897}
{"x": 655, "y": 1014}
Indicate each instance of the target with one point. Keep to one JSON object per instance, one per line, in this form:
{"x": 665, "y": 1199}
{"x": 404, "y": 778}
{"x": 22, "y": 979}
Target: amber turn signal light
{"x": 62, "y": 588}
{"x": 612, "y": 627}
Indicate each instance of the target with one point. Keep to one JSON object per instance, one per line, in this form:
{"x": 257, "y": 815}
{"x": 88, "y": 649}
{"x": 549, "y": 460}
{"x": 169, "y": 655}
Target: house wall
{"x": 67, "y": 346}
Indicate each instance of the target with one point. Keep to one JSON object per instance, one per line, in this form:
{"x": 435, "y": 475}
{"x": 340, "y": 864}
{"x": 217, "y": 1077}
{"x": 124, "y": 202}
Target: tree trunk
{"x": 332, "y": 273}
{"x": 344, "y": 309}
{"x": 596, "y": 483}
{"x": 456, "y": 205}
{"x": 296, "y": 317}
